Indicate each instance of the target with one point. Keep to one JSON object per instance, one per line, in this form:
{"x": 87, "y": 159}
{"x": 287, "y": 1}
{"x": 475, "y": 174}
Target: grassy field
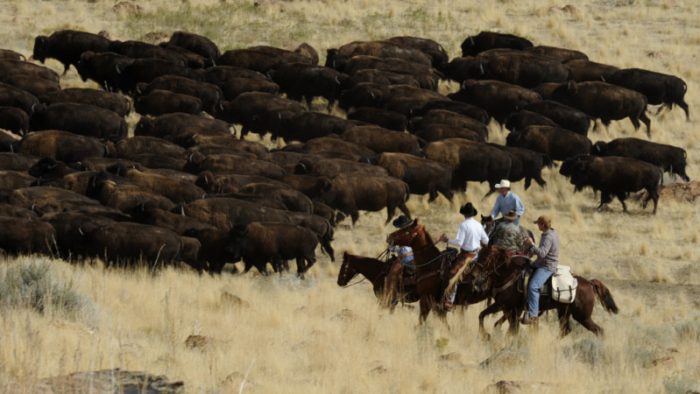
{"x": 280, "y": 334}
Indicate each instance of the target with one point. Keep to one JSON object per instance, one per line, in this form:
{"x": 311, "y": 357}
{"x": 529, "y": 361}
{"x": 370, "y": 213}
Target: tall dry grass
{"x": 279, "y": 334}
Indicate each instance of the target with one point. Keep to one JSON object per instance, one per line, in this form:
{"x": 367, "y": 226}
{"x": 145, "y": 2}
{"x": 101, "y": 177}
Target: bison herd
{"x": 186, "y": 187}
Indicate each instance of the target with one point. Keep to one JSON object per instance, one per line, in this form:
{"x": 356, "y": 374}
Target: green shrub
{"x": 33, "y": 285}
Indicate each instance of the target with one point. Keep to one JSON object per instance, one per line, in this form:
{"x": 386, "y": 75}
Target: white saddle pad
{"x": 564, "y": 285}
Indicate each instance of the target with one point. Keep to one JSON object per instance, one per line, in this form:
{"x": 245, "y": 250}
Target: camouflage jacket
{"x": 510, "y": 237}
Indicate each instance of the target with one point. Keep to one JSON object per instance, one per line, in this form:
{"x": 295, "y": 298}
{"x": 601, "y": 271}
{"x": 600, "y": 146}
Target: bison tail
{"x": 604, "y": 295}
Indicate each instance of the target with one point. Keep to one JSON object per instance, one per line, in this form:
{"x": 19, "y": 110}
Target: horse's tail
{"x": 604, "y": 295}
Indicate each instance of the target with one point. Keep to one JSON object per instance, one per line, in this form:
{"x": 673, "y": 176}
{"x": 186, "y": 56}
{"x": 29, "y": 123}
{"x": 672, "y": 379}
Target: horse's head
{"x": 347, "y": 272}
{"x": 407, "y": 236}
{"x": 486, "y": 268}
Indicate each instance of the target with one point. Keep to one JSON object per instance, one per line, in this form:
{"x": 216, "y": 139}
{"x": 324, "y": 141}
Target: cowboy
{"x": 507, "y": 201}
{"x": 509, "y": 236}
{"x": 545, "y": 265}
{"x": 404, "y": 258}
{"x": 470, "y": 238}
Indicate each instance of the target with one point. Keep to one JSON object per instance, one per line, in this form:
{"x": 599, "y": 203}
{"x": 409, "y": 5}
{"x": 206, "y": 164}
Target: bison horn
{"x": 80, "y": 231}
{"x": 481, "y": 68}
{"x": 337, "y": 80}
{"x": 182, "y": 210}
{"x": 119, "y": 71}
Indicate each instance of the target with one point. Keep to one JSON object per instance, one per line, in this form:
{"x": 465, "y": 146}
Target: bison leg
{"x": 390, "y": 212}
{"x": 652, "y": 194}
{"x": 647, "y": 122}
{"x": 404, "y": 209}
{"x": 301, "y": 267}
{"x": 432, "y": 195}
{"x": 328, "y": 249}
{"x": 528, "y": 181}
{"x": 684, "y": 105}
{"x": 621, "y": 197}
{"x": 604, "y": 199}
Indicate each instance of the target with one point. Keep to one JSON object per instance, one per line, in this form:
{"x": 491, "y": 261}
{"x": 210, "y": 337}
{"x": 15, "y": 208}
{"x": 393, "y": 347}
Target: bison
{"x": 66, "y": 46}
{"x": 557, "y": 143}
{"x": 423, "y": 176}
{"x": 670, "y": 158}
{"x": 83, "y": 119}
{"x": 107, "y": 100}
{"x": 485, "y": 40}
{"x": 657, "y": 87}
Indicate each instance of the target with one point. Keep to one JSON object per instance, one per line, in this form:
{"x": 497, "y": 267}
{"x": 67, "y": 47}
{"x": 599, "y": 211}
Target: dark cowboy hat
{"x": 402, "y": 221}
{"x": 468, "y": 210}
{"x": 511, "y": 215}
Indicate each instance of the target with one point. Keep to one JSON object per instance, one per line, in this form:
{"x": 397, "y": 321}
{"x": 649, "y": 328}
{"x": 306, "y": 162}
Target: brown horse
{"x": 432, "y": 267}
{"x": 375, "y": 271}
{"x": 497, "y": 273}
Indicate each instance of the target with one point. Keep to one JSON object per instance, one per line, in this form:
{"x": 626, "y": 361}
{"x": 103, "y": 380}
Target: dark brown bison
{"x": 230, "y": 183}
{"x": 527, "y": 164}
{"x": 423, "y": 176}
{"x": 564, "y": 55}
{"x": 498, "y": 98}
{"x": 180, "y": 126}
{"x": 66, "y": 46}
{"x": 107, "y": 100}
{"x": 261, "y": 58}
{"x": 32, "y": 71}
{"x": 427, "y": 76}
{"x": 657, "y": 87}
{"x": 260, "y": 112}
{"x": 159, "y": 102}
{"x": 117, "y": 193}
{"x": 234, "y": 164}
{"x": 82, "y": 119}
{"x": 29, "y": 83}
{"x": 302, "y": 81}
{"x": 614, "y": 176}
{"x": 380, "y": 139}
{"x": 208, "y": 93}
{"x": 365, "y": 94}
{"x": 8, "y": 54}
{"x": 14, "y": 119}
{"x": 11, "y": 180}
{"x": 117, "y": 242}
{"x": 581, "y": 70}
{"x": 565, "y": 116}
{"x": 26, "y": 236}
{"x": 195, "y": 43}
{"x": 218, "y": 75}
{"x": 63, "y": 146}
{"x": 430, "y": 132}
{"x": 519, "y": 68}
{"x": 448, "y": 118}
{"x": 338, "y": 57}
{"x": 312, "y": 186}
{"x": 13, "y": 97}
{"x": 17, "y": 212}
{"x": 333, "y": 167}
{"x": 176, "y": 222}
{"x": 350, "y": 193}
{"x": 471, "y": 161}
{"x": 380, "y": 77}
{"x": 304, "y": 126}
{"x": 229, "y": 142}
{"x": 336, "y": 147}
{"x": 105, "y": 68}
{"x": 555, "y": 142}
{"x": 486, "y": 40}
{"x": 16, "y": 162}
{"x": 176, "y": 190}
{"x": 601, "y": 100}
{"x": 292, "y": 199}
{"x": 144, "y": 50}
{"x": 234, "y": 87}
{"x": 46, "y": 199}
{"x": 670, "y": 158}
{"x": 438, "y": 55}
{"x": 146, "y": 70}
{"x": 380, "y": 117}
{"x": 459, "y": 107}
{"x": 135, "y": 146}
{"x": 523, "y": 118}
{"x": 260, "y": 243}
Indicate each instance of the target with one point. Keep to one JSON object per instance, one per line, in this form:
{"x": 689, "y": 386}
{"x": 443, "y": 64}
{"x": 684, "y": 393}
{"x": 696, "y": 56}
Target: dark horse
{"x": 375, "y": 271}
{"x": 497, "y": 273}
{"x": 432, "y": 267}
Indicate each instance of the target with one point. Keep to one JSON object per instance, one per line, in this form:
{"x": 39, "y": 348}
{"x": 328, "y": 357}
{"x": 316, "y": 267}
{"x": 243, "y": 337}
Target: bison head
{"x": 40, "y": 43}
{"x": 599, "y": 148}
{"x": 308, "y": 52}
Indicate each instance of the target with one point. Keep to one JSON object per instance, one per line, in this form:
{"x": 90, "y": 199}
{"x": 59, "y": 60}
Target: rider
{"x": 545, "y": 265}
{"x": 470, "y": 238}
{"x": 507, "y": 201}
{"x": 509, "y": 236}
{"x": 404, "y": 258}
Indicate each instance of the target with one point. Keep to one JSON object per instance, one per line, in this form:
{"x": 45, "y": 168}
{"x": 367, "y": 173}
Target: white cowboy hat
{"x": 504, "y": 184}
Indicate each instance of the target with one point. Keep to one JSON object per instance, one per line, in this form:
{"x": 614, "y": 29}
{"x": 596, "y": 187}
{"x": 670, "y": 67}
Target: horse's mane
{"x": 490, "y": 256}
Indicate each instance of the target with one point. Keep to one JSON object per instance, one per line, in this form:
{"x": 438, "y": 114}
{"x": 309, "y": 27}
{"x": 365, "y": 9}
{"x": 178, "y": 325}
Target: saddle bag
{"x": 564, "y": 285}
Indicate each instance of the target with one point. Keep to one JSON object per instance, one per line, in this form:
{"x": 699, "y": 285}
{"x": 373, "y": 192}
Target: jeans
{"x": 533, "y": 290}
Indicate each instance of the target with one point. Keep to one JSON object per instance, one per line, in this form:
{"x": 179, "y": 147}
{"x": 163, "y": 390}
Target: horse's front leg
{"x": 493, "y": 308}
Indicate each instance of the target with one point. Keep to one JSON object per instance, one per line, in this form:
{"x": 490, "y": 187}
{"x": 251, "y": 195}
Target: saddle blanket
{"x": 564, "y": 285}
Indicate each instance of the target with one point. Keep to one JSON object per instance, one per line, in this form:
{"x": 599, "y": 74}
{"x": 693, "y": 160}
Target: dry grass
{"x": 285, "y": 335}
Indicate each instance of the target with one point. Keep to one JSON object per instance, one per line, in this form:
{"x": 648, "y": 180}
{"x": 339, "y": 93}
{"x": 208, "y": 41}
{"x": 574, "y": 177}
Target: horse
{"x": 375, "y": 271}
{"x": 432, "y": 266}
{"x": 499, "y": 274}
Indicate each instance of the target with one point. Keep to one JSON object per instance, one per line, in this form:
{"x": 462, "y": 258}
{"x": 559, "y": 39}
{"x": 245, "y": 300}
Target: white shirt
{"x": 470, "y": 236}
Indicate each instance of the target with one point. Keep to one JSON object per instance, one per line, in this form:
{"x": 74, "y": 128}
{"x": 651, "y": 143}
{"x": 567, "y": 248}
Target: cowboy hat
{"x": 503, "y": 184}
{"x": 468, "y": 210}
{"x": 511, "y": 215}
{"x": 402, "y": 221}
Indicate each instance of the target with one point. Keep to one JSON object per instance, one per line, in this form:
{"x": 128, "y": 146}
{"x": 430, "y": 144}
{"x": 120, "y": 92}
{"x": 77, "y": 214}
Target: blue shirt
{"x": 507, "y": 203}
{"x": 405, "y": 254}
